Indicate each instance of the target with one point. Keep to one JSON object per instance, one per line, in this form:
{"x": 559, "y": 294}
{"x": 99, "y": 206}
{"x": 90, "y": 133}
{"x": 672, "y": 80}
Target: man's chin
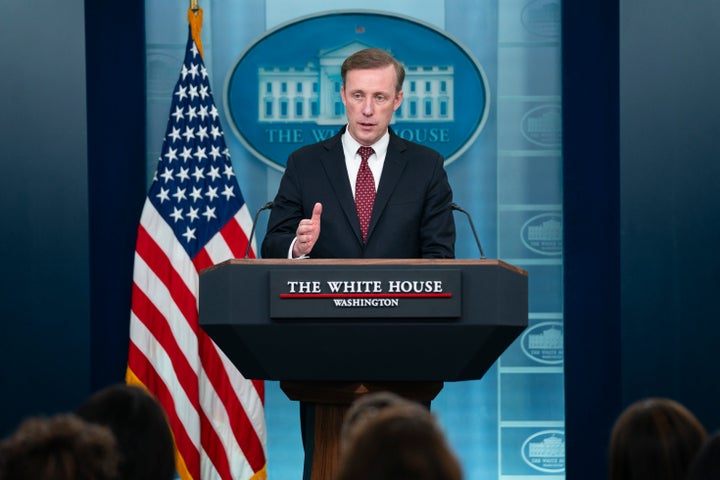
{"x": 366, "y": 133}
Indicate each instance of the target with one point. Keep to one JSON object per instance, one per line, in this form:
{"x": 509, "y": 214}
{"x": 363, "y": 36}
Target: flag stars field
{"x": 194, "y": 165}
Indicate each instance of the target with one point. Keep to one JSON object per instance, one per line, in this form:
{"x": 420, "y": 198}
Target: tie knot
{"x": 365, "y": 152}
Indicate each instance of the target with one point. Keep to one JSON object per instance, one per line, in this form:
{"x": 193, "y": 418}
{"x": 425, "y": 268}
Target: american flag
{"x": 194, "y": 217}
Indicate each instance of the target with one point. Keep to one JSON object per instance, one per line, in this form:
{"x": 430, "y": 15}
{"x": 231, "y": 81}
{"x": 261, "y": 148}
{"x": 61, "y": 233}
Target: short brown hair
{"x": 367, "y": 406}
{"x": 370, "y": 58}
{"x": 399, "y": 442}
{"x": 141, "y": 429}
{"x": 63, "y": 447}
{"x": 654, "y": 438}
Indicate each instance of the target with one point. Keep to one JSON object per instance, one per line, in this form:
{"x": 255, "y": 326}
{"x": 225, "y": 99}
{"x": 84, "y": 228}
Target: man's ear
{"x": 398, "y": 100}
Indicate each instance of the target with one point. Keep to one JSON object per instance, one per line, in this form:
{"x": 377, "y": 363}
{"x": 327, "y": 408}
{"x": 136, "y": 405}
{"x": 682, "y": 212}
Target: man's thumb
{"x": 317, "y": 211}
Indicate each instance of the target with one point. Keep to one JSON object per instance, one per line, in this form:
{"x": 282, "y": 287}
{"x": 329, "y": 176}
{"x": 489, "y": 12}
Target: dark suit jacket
{"x": 411, "y": 217}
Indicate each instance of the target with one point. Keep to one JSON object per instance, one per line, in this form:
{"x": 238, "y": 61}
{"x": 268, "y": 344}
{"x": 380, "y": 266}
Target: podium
{"x": 333, "y": 329}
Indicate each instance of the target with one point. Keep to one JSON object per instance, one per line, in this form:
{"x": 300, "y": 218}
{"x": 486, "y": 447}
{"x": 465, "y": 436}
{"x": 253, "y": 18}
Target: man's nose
{"x": 368, "y": 107}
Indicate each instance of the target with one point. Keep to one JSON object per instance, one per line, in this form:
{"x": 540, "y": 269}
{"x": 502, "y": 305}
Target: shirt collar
{"x": 380, "y": 147}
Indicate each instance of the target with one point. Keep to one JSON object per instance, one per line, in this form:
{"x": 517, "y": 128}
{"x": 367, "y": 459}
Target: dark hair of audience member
{"x": 400, "y": 442}
{"x": 706, "y": 464}
{"x": 366, "y": 406}
{"x": 61, "y": 447}
{"x": 141, "y": 428}
{"x": 654, "y": 439}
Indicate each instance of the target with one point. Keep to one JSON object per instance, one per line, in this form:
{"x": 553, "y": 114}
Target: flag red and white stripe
{"x": 194, "y": 217}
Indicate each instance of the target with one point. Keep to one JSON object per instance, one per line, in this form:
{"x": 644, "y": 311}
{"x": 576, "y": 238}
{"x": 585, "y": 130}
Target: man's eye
{"x": 380, "y": 98}
{"x": 358, "y": 96}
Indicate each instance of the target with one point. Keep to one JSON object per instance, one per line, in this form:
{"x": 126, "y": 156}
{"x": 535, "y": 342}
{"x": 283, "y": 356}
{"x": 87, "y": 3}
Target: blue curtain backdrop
{"x": 511, "y": 422}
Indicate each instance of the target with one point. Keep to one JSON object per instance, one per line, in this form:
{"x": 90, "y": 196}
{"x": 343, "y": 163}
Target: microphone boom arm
{"x": 267, "y": 206}
{"x": 457, "y": 207}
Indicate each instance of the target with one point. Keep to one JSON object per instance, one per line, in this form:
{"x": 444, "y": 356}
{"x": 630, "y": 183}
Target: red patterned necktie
{"x": 364, "y": 191}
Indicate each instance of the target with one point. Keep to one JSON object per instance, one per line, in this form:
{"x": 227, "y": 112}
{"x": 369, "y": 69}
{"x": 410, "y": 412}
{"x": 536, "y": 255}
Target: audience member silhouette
{"x": 706, "y": 464}
{"x": 365, "y": 407}
{"x": 654, "y": 439}
{"x": 62, "y": 447}
{"x": 140, "y": 426}
{"x": 397, "y": 442}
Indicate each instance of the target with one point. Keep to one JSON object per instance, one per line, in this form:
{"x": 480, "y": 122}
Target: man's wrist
{"x": 293, "y": 254}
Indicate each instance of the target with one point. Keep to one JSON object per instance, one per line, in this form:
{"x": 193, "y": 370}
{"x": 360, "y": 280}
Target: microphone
{"x": 456, "y": 207}
{"x": 267, "y": 206}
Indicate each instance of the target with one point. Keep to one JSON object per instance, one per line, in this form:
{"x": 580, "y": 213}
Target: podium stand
{"x": 331, "y": 330}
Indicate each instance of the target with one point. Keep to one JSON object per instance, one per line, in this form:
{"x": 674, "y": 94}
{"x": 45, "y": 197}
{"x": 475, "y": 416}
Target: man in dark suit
{"x": 339, "y": 199}
{"x": 315, "y": 211}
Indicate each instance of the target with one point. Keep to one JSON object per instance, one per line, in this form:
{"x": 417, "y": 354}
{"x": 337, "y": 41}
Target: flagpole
{"x": 195, "y": 18}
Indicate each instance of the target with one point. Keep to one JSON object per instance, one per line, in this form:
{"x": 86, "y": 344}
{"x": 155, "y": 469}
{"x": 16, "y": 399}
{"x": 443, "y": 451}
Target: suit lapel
{"x": 333, "y": 162}
{"x": 395, "y": 162}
